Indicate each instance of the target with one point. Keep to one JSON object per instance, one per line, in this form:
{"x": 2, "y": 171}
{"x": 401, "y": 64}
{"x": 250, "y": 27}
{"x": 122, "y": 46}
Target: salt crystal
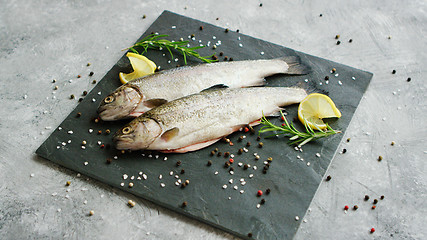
{"x": 317, "y": 154}
{"x": 235, "y": 187}
{"x": 258, "y": 205}
{"x": 242, "y": 191}
{"x": 262, "y": 53}
{"x": 162, "y": 185}
{"x": 86, "y": 163}
{"x": 122, "y": 184}
{"x": 125, "y": 176}
{"x": 224, "y": 186}
{"x": 144, "y": 176}
{"x": 70, "y": 132}
{"x": 296, "y": 218}
{"x": 230, "y": 181}
{"x": 160, "y": 176}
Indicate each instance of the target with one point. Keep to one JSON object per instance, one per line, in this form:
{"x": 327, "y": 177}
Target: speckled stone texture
{"x": 47, "y": 40}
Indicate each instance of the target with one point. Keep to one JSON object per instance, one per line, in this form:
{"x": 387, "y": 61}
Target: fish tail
{"x": 295, "y": 65}
{"x": 310, "y": 87}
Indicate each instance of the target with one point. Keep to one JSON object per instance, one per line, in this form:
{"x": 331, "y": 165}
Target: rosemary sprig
{"x": 155, "y": 41}
{"x": 296, "y": 137}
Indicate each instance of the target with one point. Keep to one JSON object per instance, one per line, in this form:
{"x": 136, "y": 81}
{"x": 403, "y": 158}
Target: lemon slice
{"x": 314, "y": 108}
{"x": 141, "y": 66}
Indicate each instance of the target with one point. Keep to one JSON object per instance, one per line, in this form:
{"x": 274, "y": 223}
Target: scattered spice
{"x": 109, "y": 160}
{"x": 231, "y": 160}
{"x": 84, "y": 93}
{"x": 348, "y": 139}
{"x": 245, "y": 167}
{"x": 375, "y": 201}
{"x": 260, "y": 144}
{"x": 214, "y": 57}
{"x": 373, "y": 207}
{"x": 366, "y": 197}
{"x": 392, "y": 143}
{"x": 68, "y": 183}
{"x": 201, "y": 27}
{"x": 270, "y": 159}
{"x": 91, "y": 213}
{"x": 184, "y": 204}
{"x": 333, "y": 70}
{"x": 131, "y": 203}
{"x": 240, "y": 139}
{"x": 328, "y": 178}
{"x": 100, "y": 132}
{"x": 225, "y": 58}
{"x": 79, "y": 114}
{"x": 267, "y": 191}
{"x": 107, "y": 131}
{"x": 80, "y": 99}
{"x": 350, "y": 40}
{"x": 72, "y": 96}
{"x": 240, "y": 151}
{"x": 55, "y": 88}
{"x": 88, "y": 64}
{"x": 346, "y": 207}
{"x": 231, "y": 59}
{"x": 321, "y": 15}
{"x": 248, "y": 144}
{"x": 380, "y": 158}
{"x": 250, "y": 235}
{"x": 79, "y": 76}
{"x": 226, "y": 30}
{"x": 327, "y": 78}
{"x": 372, "y": 230}
{"x": 344, "y": 150}
{"x": 94, "y": 81}
{"x": 337, "y": 36}
{"x": 144, "y": 16}
{"x": 212, "y": 153}
{"x": 219, "y": 154}
{"x": 262, "y": 201}
{"x": 355, "y": 207}
{"x": 221, "y": 53}
{"x": 338, "y": 42}
{"x": 54, "y": 81}
{"x": 409, "y": 79}
{"x": 91, "y": 74}
{"x": 382, "y": 197}
{"x": 259, "y": 193}
{"x": 226, "y": 154}
{"x": 393, "y": 72}
{"x": 258, "y": 138}
{"x": 178, "y": 163}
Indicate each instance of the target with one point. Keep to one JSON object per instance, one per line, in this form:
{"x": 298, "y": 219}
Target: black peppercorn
{"x": 262, "y": 201}
{"x": 212, "y": 153}
{"x": 80, "y": 99}
{"x": 267, "y": 191}
{"x": 366, "y": 197}
{"x": 240, "y": 151}
{"x": 338, "y": 42}
{"x": 393, "y": 72}
{"x": 408, "y": 80}
{"x": 182, "y": 171}
{"x": 91, "y": 74}
{"x": 184, "y": 204}
{"x": 72, "y": 96}
{"x": 201, "y": 28}
{"x": 221, "y": 53}
{"x": 375, "y": 201}
{"x": 382, "y": 197}
{"x": 246, "y": 166}
{"x": 248, "y": 144}
{"x": 327, "y": 78}
{"x": 79, "y": 114}
{"x": 227, "y": 164}
{"x": 240, "y": 138}
{"x": 226, "y": 30}
{"x": 209, "y": 163}
{"x": 355, "y": 207}
{"x": 328, "y": 178}
{"x": 109, "y": 160}
{"x": 219, "y": 154}
{"x": 344, "y": 150}
{"x": 178, "y": 163}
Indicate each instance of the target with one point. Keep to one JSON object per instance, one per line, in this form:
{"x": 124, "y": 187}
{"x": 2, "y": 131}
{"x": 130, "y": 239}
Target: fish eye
{"x": 109, "y": 99}
{"x": 126, "y": 130}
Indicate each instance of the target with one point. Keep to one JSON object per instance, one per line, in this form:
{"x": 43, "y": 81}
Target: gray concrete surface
{"x": 45, "y": 40}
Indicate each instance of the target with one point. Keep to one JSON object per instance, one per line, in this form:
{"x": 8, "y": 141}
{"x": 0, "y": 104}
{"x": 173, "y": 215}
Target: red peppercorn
{"x": 231, "y": 160}
{"x": 102, "y": 146}
{"x": 283, "y": 124}
{"x": 372, "y": 230}
{"x": 259, "y": 193}
{"x": 246, "y": 129}
{"x": 346, "y": 207}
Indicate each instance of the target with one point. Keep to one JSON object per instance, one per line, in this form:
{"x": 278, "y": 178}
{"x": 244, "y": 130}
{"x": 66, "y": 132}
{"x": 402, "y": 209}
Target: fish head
{"x": 139, "y": 134}
{"x": 120, "y": 104}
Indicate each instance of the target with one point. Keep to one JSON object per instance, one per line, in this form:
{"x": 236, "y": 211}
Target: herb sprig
{"x": 155, "y": 41}
{"x": 296, "y": 137}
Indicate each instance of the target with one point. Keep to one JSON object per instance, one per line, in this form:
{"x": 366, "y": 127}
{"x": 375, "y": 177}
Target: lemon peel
{"x": 141, "y": 65}
{"x": 314, "y": 108}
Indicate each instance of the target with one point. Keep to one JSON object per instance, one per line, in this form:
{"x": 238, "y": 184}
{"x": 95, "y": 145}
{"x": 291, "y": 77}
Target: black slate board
{"x": 292, "y": 182}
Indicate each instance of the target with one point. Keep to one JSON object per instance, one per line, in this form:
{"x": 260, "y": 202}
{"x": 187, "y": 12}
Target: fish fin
{"x": 192, "y": 147}
{"x": 295, "y": 66}
{"x": 169, "y": 134}
{"x": 155, "y": 102}
{"x": 215, "y": 87}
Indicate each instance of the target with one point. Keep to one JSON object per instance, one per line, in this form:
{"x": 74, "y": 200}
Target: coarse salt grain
{"x": 86, "y": 163}
{"x": 258, "y": 205}
{"x": 140, "y": 173}
{"x": 122, "y": 184}
{"x": 144, "y": 176}
{"x": 99, "y": 93}
{"x": 162, "y": 185}
{"x": 173, "y": 27}
{"x": 93, "y": 100}
{"x": 160, "y": 176}
{"x": 308, "y": 164}
{"x": 251, "y": 175}
{"x": 125, "y": 176}
{"x": 262, "y": 53}
{"x": 70, "y": 132}
{"x": 317, "y": 154}
{"x": 235, "y": 187}
{"x": 216, "y": 173}
{"x": 224, "y": 186}
{"x": 90, "y": 130}
{"x": 171, "y": 173}
{"x": 230, "y": 181}
{"x": 242, "y": 191}
{"x": 166, "y": 158}
{"x": 296, "y": 218}
{"x": 132, "y": 178}
{"x": 339, "y": 82}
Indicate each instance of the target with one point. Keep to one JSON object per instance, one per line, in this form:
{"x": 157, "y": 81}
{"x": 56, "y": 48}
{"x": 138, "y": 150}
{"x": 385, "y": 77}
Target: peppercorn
{"x": 94, "y": 81}
{"x": 350, "y": 40}
{"x": 260, "y": 4}
{"x": 192, "y": 35}
{"x": 327, "y": 78}
{"x": 68, "y": 183}
{"x": 262, "y": 201}
{"x": 266, "y": 167}
{"x": 212, "y": 153}
{"x": 91, "y": 74}
{"x": 366, "y": 197}
{"x": 144, "y": 16}
{"x": 337, "y": 36}
{"x": 409, "y": 79}
{"x": 320, "y": 15}
{"x": 231, "y": 59}
{"x": 237, "y": 30}
{"x": 231, "y": 168}
{"x": 240, "y": 139}
{"x": 209, "y": 163}
{"x": 226, "y": 30}
{"x": 225, "y": 58}
{"x": 91, "y": 213}
{"x": 178, "y": 163}
{"x": 184, "y": 204}
{"x": 260, "y": 145}
{"x": 248, "y": 144}
{"x": 88, "y": 64}
{"x": 182, "y": 171}
{"x": 221, "y": 53}
{"x": 373, "y": 207}
{"x": 80, "y": 99}
{"x": 240, "y": 151}
{"x": 267, "y": 191}
{"x": 84, "y": 93}
{"x": 79, "y": 76}
{"x": 99, "y": 132}
{"x": 328, "y": 178}
{"x": 346, "y": 207}
{"x": 393, "y": 72}
{"x": 259, "y": 193}
{"x": 258, "y": 138}
{"x": 382, "y": 197}
{"x": 55, "y": 88}
{"x": 227, "y": 164}
{"x": 246, "y": 166}
{"x": 79, "y": 114}
{"x": 226, "y": 154}
{"x": 380, "y": 158}
{"x": 216, "y": 149}
{"x": 333, "y": 70}
{"x": 355, "y": 207}
{"x": 54, "y": 81}
{"x": 375, "y": 201}
{"x": 214, "y": 57}
{"x": 250, "y": 235}
{"x": 392, "y": 143}
{"x": 72, "y": 96}
{"x": 109, "y": 160}
{"x": 338, "y": 42}
{"x": 107, "y": 131}
{"x": 348, "y": 139}
{"x": 201, "y": 27}
{"x": 219, "y": 154}
{"x": 264, "y": 171}
{"x": 344, "y": 150}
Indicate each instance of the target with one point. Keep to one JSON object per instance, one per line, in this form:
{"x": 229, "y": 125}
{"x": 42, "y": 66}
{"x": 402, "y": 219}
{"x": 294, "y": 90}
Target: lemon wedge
{"x": 141, "y": 65}
{"x": 314, "y": 108}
